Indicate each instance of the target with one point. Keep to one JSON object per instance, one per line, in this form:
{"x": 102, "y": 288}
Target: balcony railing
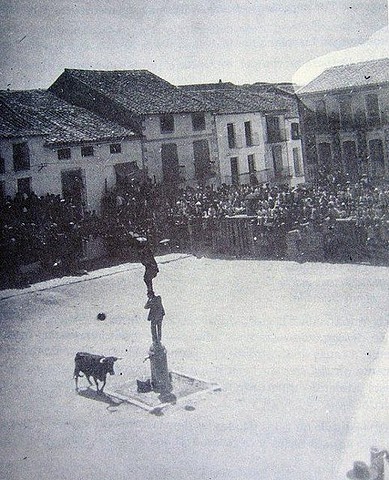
{"x": 279, "y": 175}
{"x": 253, "y": 178}
{"x": 276, "y": 137}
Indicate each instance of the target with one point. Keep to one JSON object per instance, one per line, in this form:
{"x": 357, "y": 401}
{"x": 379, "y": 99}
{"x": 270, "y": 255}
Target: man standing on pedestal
{"x": 156, "y": 314}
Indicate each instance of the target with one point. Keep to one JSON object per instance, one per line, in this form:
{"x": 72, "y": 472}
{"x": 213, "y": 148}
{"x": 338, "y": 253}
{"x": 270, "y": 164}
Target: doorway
{"x": 73, "y": 188}
{"x": 234, "y": 171}
{"x": 170, "y": 163}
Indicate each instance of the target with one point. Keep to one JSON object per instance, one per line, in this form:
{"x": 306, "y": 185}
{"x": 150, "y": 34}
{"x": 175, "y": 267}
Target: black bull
{"x": 96, "y": 366}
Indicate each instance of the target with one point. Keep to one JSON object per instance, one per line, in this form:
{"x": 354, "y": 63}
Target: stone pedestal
{"x": 160, "y": 378}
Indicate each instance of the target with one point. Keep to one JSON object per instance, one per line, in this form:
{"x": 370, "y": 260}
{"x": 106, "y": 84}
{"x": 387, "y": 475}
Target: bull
{"x": 95, "y": 366}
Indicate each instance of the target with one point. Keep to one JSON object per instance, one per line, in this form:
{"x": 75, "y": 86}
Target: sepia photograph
{"x": 194, "y": 230}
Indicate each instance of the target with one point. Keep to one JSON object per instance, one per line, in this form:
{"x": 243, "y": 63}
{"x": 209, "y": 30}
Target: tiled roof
{"x": 279, "y": 95}
{"x": 272, "y": 87}
{"x": 139, "y": 91}
{"x": 353, "y": 75}
{"x": 38, "y": 112}
{"x": 237, "y": 99}
{"x": 11, "y": 122}
{"x": 208, "y": 86}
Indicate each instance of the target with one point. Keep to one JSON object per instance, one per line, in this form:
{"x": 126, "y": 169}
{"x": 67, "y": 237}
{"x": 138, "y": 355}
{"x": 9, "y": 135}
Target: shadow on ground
{"x": 99, "y": 397}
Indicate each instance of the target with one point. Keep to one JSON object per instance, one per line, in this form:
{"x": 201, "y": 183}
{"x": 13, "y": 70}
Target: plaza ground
{"x": 299, "y": 350}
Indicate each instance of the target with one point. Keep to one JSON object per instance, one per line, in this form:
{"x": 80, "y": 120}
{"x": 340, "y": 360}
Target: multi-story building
{"x": 92, "y": 129}
{"x": 257, "y": 133}
{"x": 207, "y": 134}
{"x": 178, "y": 140}
{"x": 345, "y": 119}
{"x": 50, "y": 146}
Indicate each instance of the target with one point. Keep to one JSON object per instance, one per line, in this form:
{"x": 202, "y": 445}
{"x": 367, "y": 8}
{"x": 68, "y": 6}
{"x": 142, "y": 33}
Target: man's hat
{"x": 361, "y": 471}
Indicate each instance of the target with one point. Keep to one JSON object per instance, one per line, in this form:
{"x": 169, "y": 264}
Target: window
{"x": 115, "y": 148}
{"x": 234, "y": 171}
{"x": 297, "y": 162}
{"x": 24, "y": 185}
{"x": 2, "y": 165}
{"x": 198, "y": 121}
{"x": 202, "y": 160}
{"x": 325, "y": 154}
{"x": 21, "y": 156}
{"x": 64, "y": 153}
{"x": 273, "y": 129}
{"x": 372, "y": 109}
{"x": 277, "y": 159}
{"x": 87, "y": 151}
{"x": 346, "y": 116}
{"x": 247, "y": 132}
{"x": 321, "y": 116}
{"x": 377, "y": 161}
{"x": 295, "y": 131}
{"x": 251, "y": 163}
{"x": 350, "y": 157}
{"x": 231, "y": 135}
{"x": 166, "y": 123}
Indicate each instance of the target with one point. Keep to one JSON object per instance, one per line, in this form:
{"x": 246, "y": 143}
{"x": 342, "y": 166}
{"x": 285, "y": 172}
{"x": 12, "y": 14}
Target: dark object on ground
{"x": 144, "y": 387}
{"x": 96, "y": 366}
{"x": 101, "y": 316}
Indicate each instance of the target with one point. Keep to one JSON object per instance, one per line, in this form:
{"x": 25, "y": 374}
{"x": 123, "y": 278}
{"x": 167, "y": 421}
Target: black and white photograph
{"x": 194, "y": 240}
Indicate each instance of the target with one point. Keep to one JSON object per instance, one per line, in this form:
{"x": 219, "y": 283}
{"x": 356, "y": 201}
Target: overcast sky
{"x": 183, "y": 41}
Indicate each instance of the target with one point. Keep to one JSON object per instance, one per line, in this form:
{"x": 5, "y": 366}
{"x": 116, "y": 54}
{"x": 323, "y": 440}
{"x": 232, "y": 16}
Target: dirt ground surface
{"x": 299, "y": 350}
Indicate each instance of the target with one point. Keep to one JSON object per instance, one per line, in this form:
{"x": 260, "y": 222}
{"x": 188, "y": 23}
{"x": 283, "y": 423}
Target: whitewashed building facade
{"x": 49, "y": 146}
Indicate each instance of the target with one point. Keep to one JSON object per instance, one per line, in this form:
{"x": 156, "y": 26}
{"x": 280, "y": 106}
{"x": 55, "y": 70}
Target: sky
{"x": 186, "y": 41}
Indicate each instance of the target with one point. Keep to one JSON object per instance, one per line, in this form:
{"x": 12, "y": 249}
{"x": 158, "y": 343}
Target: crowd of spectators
{"x": 52, "y": 230}
{"x": 157, "y": 215}
{"x": 47, "y": 229}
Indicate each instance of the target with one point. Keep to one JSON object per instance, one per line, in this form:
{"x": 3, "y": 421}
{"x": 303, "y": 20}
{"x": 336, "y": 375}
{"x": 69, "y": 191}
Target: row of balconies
{"x": 260, "y": 176}
{"x": 240, "y": 141}
{"x": 333, "y": 122}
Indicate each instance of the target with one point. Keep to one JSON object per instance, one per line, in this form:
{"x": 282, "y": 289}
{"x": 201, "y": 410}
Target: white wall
{"x": 45, "y": 170}
{"x": 183, "y": 136}
{"x": 261, "y": 149}
{"x": 241, "y": 151}
{"x": 292, "y": 144}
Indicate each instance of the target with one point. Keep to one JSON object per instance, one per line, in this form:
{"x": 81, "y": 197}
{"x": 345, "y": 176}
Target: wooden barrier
{"x": 236, "y": 236}
{"x": 243, "y": 236}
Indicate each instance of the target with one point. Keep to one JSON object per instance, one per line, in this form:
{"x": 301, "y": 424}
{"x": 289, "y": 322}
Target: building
{"x": 94, "y": 129}
{"x": 50, "y": 146}
{"x": 196, "y": 134}
{"x": 178, "y": 133}
{"x": 345, "y": 119}
{"x": 257, "y": 133}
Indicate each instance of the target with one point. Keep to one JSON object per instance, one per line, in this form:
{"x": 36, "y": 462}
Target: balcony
{"x": 283, "y": 174}
{"x": 276, "y": 137}
{"x": 253, "y": 178}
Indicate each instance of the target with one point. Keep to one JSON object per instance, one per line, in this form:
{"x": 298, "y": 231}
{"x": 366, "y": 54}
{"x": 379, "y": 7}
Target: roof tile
{"x": 359, "y": 74}
{"x": 139, "y": 91}
{"x": 39, "y": 112}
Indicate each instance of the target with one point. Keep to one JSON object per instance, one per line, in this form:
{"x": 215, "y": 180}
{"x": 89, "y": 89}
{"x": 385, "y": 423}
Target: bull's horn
{"x": 102, "y": 360}
{"x": 117, "y": 358}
